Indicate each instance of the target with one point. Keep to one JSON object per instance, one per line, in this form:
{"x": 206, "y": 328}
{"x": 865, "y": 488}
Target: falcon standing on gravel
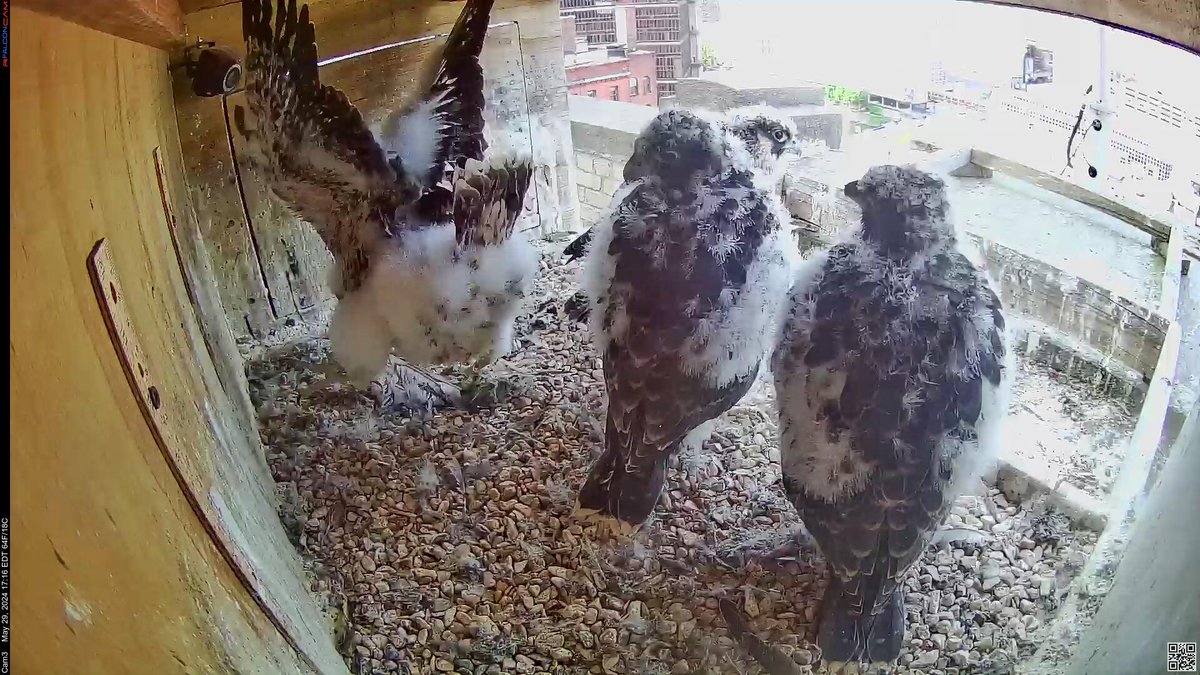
{"x": 419, "y": 219}
{"x": 891, "y": 376}
{"x": 686, "y": 279}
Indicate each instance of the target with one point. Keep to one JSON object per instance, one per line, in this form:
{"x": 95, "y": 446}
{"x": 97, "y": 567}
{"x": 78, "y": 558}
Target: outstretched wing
{"x": 440, "y": 131}
{"x": 310, "y": 144}
{"x": 488, "y": 200}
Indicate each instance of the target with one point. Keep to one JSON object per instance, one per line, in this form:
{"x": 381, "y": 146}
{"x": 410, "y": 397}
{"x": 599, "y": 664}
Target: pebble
{"x": 926, "y": 659}
{"x": 486, "y": 572}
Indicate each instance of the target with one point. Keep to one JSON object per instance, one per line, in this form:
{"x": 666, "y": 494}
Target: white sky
{"x": 892, "y": 45}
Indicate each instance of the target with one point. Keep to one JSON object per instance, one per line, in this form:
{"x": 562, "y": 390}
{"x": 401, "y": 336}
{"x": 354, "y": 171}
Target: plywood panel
{"x": 144, "y": 552}
{"x": 158, "y": 23}
{"x": 292, "y": 263}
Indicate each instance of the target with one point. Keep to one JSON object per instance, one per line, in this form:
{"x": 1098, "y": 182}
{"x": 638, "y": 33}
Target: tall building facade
{"x": 666, "y": 28}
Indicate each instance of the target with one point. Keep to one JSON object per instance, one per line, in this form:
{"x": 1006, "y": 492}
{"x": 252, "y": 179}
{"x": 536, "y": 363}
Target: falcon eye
{"x": 780, "y": 135}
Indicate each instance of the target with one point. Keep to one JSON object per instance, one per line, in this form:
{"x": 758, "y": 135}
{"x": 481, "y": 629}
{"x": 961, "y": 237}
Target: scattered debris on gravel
{"x": 445, "y": 544}
{"x": 1081, "y": 435}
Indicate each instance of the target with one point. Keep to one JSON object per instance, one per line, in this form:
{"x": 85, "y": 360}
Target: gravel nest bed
{"x": 446, "y": 544}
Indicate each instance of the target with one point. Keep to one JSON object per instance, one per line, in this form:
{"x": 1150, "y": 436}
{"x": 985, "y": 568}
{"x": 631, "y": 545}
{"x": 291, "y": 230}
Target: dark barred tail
{"x": 846, "y": 636}
{"x": 615, "y": 491}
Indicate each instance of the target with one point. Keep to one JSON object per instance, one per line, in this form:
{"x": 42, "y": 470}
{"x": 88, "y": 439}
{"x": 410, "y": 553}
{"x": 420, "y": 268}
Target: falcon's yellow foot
{"x": 605, "y": 525}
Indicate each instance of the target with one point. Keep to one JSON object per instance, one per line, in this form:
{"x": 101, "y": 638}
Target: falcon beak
{"x": 793, "y": 148}
{"x": 851, "y": 190}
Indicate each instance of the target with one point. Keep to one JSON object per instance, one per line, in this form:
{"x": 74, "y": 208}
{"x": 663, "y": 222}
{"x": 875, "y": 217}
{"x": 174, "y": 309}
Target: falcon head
{"x": 677, "y": 147}
{"x": 768, "y": 134}
{"x": 904, "y": 209}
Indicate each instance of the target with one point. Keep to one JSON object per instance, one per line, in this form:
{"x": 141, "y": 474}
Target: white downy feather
{"x": 359, "y": 338}
{"x": 598, "y": 269}
{"x": 432, "y": 307}
{"x": 414, "y": 137}
{"x": 735, "y": 338}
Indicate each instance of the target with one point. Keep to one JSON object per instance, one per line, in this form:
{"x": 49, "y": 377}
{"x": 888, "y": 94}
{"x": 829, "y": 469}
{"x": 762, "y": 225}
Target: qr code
{"x": 1181, "y": 657}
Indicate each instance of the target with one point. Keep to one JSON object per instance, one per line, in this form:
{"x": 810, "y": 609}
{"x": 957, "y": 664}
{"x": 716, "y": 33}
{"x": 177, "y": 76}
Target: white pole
{"x": 1104, "y": 113}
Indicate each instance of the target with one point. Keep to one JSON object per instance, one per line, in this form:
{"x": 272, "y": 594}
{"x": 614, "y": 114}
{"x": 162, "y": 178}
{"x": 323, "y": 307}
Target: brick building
{"x": 666, "y": 28}
{"x": 613, "y": 74}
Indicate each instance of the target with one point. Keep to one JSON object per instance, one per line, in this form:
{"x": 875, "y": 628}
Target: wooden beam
{"x": 157, "y": 23}
{"x": 1173, "y": 21}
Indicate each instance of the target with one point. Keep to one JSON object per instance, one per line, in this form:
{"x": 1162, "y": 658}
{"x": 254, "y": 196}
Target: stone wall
{"x": 695, "y": 92}
{"x": 602, "y": 133}
{"x": 804, "y": 105}
{"x": 598, "y": 177}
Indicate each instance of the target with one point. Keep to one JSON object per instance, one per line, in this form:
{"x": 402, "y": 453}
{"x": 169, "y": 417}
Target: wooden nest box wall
{"x": 145, "y": 537}
{"x": 150, "y": 541}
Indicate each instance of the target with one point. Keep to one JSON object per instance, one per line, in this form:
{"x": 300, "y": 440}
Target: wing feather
{"x": 311, "y": 144}
{"x": 449, "y": 107}
{"x": 488, "y": 199}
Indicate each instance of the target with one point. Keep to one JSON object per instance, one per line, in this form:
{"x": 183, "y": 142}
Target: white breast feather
{"x": 730, "y": 341}
{"x": 359, "y": 338}
{"x": 807, "y": 454}
{"x": 435, "y": 307}
{"x": 415, "y": 136}
{"x": 981, "y": 457}
{"x": 598, "y": 270}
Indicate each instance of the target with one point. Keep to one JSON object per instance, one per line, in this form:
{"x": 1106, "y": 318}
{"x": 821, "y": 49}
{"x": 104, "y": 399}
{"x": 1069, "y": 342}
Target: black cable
{"x": 1075, "y": 129}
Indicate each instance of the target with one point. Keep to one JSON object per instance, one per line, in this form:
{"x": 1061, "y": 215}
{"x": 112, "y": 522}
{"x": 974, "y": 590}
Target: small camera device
{"x": 215, "y": 71}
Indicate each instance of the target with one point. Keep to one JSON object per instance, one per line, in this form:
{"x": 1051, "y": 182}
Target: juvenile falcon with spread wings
{"x": 419, "y": 218}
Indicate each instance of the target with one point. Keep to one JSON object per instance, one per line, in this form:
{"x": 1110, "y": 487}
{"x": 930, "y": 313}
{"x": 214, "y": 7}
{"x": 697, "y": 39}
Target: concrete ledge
{"x": 1105, "y": 375}
{"x": 1022, "y": 479}
{"x": 607, "y": 128}
{"x": 1156, "y": 228}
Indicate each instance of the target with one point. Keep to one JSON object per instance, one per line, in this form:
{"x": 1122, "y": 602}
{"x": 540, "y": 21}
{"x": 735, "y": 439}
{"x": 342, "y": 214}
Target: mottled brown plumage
{"x": 420, "y": 218}
{"x": 684, "y": 277}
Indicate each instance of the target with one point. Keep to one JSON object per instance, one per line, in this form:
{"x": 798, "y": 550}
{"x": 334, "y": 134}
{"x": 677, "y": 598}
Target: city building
{"x": 668, "y": 29}
{"x": 614, "y": 74}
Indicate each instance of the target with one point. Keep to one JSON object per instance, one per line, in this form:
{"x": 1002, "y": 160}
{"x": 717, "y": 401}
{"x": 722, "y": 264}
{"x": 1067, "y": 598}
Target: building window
{"x": 646, "y": 82}
{"x": 633, "y": 86}
{"x": 592, "y": 93}
{"x": 614, "y": 93}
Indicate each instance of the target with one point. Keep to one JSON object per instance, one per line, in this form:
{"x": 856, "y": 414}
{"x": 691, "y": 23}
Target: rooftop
{"x": 610, "y": 114}
{"x": 594, "y": 57}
